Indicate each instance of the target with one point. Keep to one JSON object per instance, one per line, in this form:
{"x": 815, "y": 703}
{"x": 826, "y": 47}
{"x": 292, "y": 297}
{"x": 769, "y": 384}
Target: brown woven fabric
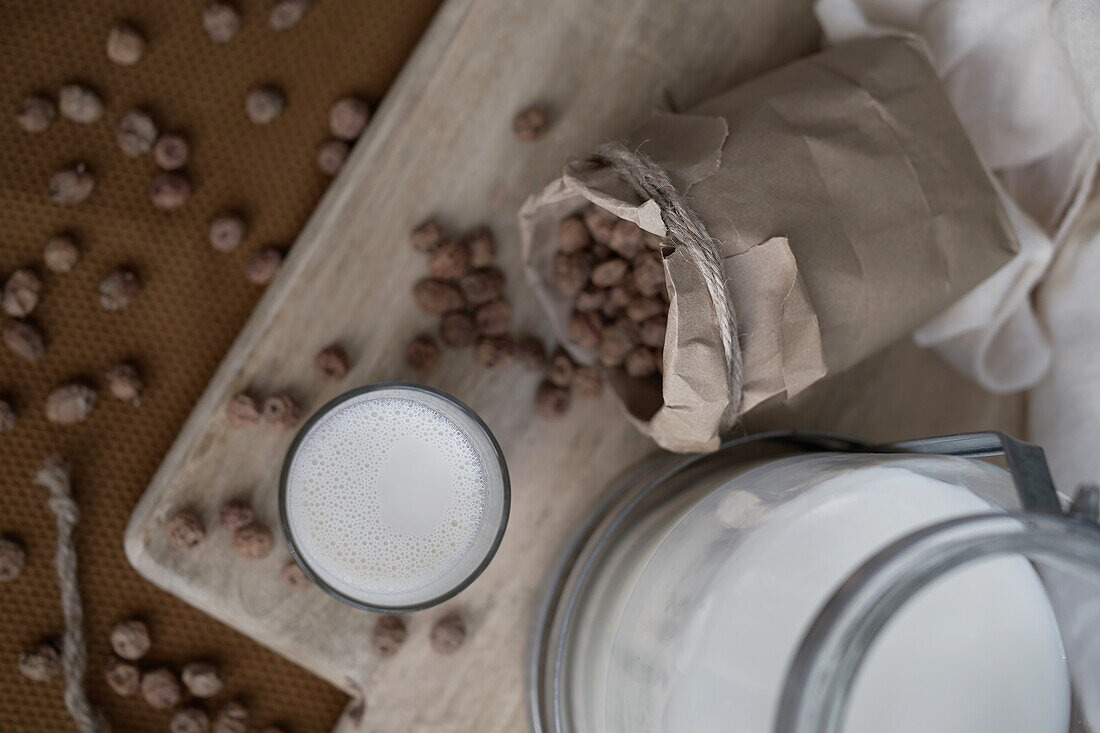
{"x": 193, "y": 300}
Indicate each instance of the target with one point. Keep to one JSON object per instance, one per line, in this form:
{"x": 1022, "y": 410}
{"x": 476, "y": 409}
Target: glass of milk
{"x": 394, "y": 497}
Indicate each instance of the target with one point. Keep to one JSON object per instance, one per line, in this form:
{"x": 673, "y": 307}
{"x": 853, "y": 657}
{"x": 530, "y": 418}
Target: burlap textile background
{"x": 193, "y": 301}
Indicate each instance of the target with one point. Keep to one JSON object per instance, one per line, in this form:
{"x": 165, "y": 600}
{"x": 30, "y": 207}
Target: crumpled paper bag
{"x": 850, "y": 208}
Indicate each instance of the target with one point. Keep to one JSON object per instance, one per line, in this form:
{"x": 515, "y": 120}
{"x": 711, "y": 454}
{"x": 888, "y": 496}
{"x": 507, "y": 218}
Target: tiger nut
{"x": 609, "y": 273}
{"x": 21, "y": 293}
{"x": 263, "y": 265}
{"x": 171, "y": 151}
{"x": 36, "y": 114}
{"x": 221, "y": 21}
{"x": 531, "y": 353}
{"x": 600, "y": 223}
{"x": 117, "y": 289}
{"x": 437, "y": 297}
{"x": 169, "y": 190}
{"x": 618, "y": 298}
{"x": 294, "y": 576}
{"x": 551, "y": 401}
{"x": 494, "y": 319}
{"x": 648, "y": 273}
{"x": 448, "y": 633}
{"x": 616, "y": 342}
{"x": 457, "y": 329}
{"x": 72, "y": 185}
{"x": 136, "y": 133}
{"x": 423, "y": 354}
{"x": 185, "y": 530}
{"x": 242, "y": 410}
{"x": 227, "y": 231}
{"x": 331, "y": 156}
{"x": 530, "y": 124}
{"x": 585, "y": 329}
{"x": 388, "y": 635}
{"x": 281, "y": 411}
{"x": 160, "y": 688}
{"x": 561, "y": 368}
{"x": 642, "y": 309}
{"x": 13, "y": 558}
{"x": 483, "y": 248}
{"x": 286, "y": 13}
{"x": 234, "y": 514}
{"x": 79, "y": 103}
{"x": 450, "y": 261}
{"x": 587, "y": 381}
{"x": 348, "y": 117}
{"x": 653, "y": 331}
{"x": 639, "y": 363}
{"x": 573, "y": 235}
{"x": 426, "y": 237}
{"x": 263, "y": 105}
{"x": 130, "y": 639}
{"x": 125, "y": 44}
{"x": 60, "y": 253}
{"x": 24, "y": 340}
{"x": 189, "y": 720}
{"x": 232, "y": 718}
{"x": 494, "y": 351}
{"x": 40, "y": 662}
{"x": 202, "y": 679}
{"x": 253, "y": 541}
{"x": 571, "y": 271}
{"x": 482, "y": 286}
{"x": 331, "y": 363}
{"x": 590, "y": 299}
{"x": 122, "y": 677}
{"x": 626, "y": 239}
{"x": 124, "y": 382}
{"x": 70, "y": 404}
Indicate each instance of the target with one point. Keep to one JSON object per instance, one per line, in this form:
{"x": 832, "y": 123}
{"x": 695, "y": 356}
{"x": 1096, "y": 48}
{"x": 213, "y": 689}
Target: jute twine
{"x": 54, "y": 477}
{"x": 689, "y": 236}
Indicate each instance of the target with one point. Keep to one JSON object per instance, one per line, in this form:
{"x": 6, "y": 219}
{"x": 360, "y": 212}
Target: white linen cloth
{"x": 1024, "y": 78}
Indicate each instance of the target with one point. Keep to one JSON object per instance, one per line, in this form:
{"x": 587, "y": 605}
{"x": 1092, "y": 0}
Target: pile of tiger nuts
{"x": 613, "y": 272}
{"x": 466, "y": 290}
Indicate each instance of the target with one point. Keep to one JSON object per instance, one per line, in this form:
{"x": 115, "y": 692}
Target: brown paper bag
{"x": 849, "y": 206}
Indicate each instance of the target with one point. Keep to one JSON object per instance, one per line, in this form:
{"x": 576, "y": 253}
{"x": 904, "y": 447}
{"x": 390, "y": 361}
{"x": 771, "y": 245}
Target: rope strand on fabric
{"x": 54, "y": 477}
{"x": 689, "y": 234}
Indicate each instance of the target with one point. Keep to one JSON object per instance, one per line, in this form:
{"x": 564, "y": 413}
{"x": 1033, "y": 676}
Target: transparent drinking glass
{"x": 497, "y": 499}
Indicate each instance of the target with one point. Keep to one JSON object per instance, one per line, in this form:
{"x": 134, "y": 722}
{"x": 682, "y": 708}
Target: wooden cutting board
{"x": 441, "y": 145}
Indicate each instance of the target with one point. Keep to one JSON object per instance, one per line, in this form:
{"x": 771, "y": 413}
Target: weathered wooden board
{"x": 441, "y": 145}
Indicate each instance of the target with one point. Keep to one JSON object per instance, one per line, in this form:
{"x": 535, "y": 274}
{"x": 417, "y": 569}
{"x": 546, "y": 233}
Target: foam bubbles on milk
{"x": 361, "y": 461}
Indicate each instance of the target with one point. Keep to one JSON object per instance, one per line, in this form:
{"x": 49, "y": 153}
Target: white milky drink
{"x": 394, "y": 496}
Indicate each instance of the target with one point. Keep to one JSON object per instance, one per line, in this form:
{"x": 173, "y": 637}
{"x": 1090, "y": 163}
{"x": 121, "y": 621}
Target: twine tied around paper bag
{"x": 54, "y": 476}
{"x": 690, "y": 236}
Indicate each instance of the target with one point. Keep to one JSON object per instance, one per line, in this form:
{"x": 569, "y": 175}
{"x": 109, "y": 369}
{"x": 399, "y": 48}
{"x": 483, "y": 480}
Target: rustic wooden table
{"x": 441, "y": 145}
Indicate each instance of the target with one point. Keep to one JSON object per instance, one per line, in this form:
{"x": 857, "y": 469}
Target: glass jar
{"x": 805, "y": 583}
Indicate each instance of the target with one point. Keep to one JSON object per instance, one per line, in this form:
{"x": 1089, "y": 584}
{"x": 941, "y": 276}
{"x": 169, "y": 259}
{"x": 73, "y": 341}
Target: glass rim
{"x": 490, "y": 553}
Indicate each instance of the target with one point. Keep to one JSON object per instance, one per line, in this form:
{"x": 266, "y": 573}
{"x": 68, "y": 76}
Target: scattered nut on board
{"x": 160, "y": 688}
{"x": 253, "y": 541}
{"x": 221, "y": 21}
{"x": 36, "y": 113}
{"x": 71, "y": 185}
{"x": 227, "y": 231}
{"x": 130, "y": 639}
{"x": 125, "y": 44}
{"x": 13, "y": 558}
{"x": 79, "y": 103}
{"x": 23, "y": 340}
{"x": 482, "y": 286}
{"x": 123, "y": 677}
{"x": 70, "y": 403}
{"x": 483, "y": 248}
{"x": 530, "y": 124}
{"x": 185, "y": 530}
{"x": 286, "y": 13}
{"x": 234, "y": 514}
{"x": 40, "y": 662}
{"x": 450, "y": 260}
{"x": 263, "y": 105}
{"x": 551, "y": 401}
{"x": 189, "y": 720}
{"x": 561, "y": 369}
{"x": 294, "y": 576}
{"x": 202, "y": 679}
{"x": 171, "y": 151}
{"x": 242, "y": 410}
{"x": 348, "y": 117}
{"x": 457, "y": 329}
{"x": 117, "y": 289}
{"x": 60, "y": 253}
{"x": 21, "y": 292}
{"x": 438, "y": 297}
{"x": 281, "y": 411}
{"x": 587, "y": 381}
{"x": 124, "y": 383}
{"x": 331, "y": 363}
{"x": 169, "y": 190}
{"x": 8, "y": 416}
{"x": 531, "y": 353}
{"x": 232, "y": 718}
{"x": 331, "y": 156}
{"x": 426, "y": 237}
{"x": 448, "y": 633}
{"x": 136, "y": 133}
{"x": 494, "y": 318}
{"x": 388, "y": 635}
{"x": 263, "y": 265}
{"x": 423, "y": 354}
{"x": 493, "y": 352}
